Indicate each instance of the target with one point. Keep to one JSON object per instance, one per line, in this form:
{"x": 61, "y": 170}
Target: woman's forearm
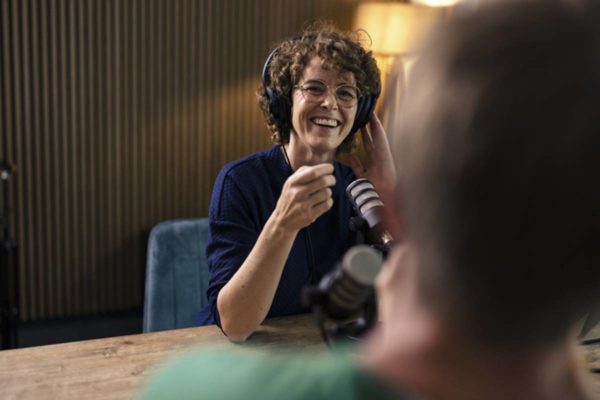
{"x": 245, "y": 300}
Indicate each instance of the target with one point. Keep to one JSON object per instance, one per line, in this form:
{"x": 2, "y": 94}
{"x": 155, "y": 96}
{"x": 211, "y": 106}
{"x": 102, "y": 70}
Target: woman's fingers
{"x": 306, "y": 173}
{"x": 320, "y": 196}
{"x": 367, "y": 140}
{"x": 381, "y": 164}
{"x": 320, "y": 183}
{"x": 321, "y": 208}
{"x": 377, "y": 131}
{"x": 308, "y": 180}
{"x": 306, "y": 195}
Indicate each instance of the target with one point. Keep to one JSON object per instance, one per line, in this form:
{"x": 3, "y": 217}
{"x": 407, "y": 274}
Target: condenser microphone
{"x": 342, "y": 293}
{"x": 369, "y": 207}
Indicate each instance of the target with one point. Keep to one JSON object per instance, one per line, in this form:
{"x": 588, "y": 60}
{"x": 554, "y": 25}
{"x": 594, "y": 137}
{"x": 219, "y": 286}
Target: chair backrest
{"x": 176, "y": 274}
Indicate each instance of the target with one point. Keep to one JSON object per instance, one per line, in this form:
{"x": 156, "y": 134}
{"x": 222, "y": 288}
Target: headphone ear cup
{"x": 279, "y": 106}
{"x": 365, "y": 107}
{"x": 280, "y": 109}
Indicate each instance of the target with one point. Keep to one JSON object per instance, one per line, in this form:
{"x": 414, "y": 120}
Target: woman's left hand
{"x": 379, "y": 166}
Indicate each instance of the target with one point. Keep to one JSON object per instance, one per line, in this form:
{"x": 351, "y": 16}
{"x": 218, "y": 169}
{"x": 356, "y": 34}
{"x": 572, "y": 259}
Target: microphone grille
{"x": 363, "y": 196}
{"x": 362, "y": 264}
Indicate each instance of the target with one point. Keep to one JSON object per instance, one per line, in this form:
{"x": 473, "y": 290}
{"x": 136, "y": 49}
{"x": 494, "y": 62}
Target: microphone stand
{"x": 9, "y": 291}
{"x": 333, "y": 330}
{"x": 359, "y": 225}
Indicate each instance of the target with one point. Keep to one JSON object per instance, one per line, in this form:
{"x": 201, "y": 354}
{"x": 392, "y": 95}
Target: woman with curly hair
{"x": 279, "y": 219}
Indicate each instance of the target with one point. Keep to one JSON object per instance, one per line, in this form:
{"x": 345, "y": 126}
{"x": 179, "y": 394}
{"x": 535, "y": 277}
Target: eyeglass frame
{"x": 326, "y": 93}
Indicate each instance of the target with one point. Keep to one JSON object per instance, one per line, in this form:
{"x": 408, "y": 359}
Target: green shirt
{"x": 247, "y": 375}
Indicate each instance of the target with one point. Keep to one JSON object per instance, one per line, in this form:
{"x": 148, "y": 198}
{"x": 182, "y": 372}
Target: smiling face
{"x": 320, "y": 127}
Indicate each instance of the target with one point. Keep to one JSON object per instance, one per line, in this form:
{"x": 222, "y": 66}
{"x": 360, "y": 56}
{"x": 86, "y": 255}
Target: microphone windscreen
{"x": 362, "y": 264}
{"x": 348, "y": 287}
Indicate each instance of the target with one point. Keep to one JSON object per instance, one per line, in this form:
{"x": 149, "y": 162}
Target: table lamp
{"x": 395, "y": 30}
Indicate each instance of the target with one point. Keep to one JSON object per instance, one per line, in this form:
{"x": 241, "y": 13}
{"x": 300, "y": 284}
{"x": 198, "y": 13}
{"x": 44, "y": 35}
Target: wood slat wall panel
{"x": 118, "y": 115}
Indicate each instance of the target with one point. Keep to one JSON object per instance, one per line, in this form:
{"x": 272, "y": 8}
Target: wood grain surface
{"x": 114, "y": 368}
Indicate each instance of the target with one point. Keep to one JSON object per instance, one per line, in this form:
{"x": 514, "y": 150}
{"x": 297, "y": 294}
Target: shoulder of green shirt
{"x": 232, "y": 374}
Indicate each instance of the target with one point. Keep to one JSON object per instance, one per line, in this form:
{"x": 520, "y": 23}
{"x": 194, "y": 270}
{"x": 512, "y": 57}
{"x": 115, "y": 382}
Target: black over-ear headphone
{"x": 280, "y": 105}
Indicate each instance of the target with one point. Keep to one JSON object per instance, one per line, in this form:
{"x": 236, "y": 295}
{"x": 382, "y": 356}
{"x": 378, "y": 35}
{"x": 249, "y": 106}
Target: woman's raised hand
{"x": 379, "y": 166}
{"x": 305, "y": 196}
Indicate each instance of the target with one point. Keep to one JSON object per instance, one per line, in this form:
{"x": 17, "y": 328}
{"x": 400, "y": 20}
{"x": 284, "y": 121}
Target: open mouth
{"x": 326, "y": 122}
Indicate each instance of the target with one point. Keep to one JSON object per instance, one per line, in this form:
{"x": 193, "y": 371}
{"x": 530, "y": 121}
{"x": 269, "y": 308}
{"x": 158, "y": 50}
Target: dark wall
{"x": 118, "y": 115}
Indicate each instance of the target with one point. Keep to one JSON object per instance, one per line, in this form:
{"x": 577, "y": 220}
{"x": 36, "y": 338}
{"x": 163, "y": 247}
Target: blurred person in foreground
{"x": 498, "y": 199}
{"x": 279, "y": 218}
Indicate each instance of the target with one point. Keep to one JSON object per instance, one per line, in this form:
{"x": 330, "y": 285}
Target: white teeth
{"x": 327, "y": 122}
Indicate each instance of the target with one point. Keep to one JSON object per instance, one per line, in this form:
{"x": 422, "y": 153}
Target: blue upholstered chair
{"x": 176, "y": 274}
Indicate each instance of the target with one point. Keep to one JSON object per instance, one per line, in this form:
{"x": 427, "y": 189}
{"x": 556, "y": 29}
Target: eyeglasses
{"x": 316, "y": 92}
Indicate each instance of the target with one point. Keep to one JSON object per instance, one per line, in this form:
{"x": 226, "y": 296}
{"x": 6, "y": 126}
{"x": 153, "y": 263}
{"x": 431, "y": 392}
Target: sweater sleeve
{"x": 233, "y": 231}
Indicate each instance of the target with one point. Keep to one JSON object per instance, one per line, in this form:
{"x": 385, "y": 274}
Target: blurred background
{"x": 118, "y": 114}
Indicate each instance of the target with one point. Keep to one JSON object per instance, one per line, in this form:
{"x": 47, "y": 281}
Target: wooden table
{"x": 114, "y": 368}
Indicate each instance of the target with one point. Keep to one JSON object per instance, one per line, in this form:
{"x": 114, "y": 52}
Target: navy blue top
{"x": 243, "y": 198}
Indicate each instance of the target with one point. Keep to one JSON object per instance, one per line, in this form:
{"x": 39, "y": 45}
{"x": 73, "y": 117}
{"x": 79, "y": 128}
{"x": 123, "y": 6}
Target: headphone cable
{"x": 310, "y": 256}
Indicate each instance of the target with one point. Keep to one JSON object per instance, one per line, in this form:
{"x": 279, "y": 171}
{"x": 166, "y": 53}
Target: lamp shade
{"x": 395, "y": 28}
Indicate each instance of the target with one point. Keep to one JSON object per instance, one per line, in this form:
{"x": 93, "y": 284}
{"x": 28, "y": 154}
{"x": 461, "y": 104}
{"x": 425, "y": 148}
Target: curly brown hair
{"x": 339, "y": 50}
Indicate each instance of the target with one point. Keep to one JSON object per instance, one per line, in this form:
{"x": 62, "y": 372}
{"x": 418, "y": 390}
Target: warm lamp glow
{"x": 437, "y": 3}
{"x": 395, "y": 28}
